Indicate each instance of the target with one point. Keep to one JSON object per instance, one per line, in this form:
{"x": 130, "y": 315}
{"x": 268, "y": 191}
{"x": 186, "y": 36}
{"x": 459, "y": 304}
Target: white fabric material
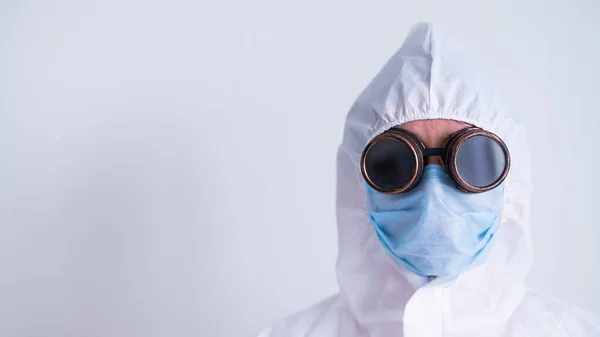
{"x": 430, "y": 78}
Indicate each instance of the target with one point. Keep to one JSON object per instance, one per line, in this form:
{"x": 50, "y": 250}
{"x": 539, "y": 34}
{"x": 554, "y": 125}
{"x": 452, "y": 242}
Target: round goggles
{"x": 477, "y": 160}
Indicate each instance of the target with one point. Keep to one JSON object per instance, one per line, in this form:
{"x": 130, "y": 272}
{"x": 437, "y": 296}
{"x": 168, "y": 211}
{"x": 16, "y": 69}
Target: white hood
{"x": 430, "y": 78}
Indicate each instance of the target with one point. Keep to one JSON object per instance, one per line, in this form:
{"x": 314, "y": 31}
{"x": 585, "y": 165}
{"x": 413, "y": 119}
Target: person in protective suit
{"x": 433, "y": 197}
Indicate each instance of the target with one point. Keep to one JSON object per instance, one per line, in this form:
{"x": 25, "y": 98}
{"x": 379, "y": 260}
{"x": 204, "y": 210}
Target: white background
{"x": 167, "y": 168}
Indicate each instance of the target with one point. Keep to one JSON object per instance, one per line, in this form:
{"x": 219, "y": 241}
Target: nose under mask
{"x": 434, "y": 229}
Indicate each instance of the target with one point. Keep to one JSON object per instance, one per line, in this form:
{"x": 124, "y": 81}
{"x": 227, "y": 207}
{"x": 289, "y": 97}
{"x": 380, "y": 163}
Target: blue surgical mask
{"x": 434, "y": 229}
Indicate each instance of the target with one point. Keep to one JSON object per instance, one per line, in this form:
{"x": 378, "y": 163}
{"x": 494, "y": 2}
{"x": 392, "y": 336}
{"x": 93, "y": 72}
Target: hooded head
{"x": 430, "y": 78}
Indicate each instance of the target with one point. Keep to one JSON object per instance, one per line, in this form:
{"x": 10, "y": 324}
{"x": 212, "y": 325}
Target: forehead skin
{"x": 434, "y": 132}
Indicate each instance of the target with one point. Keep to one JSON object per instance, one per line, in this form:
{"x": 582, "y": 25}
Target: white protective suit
{"x": 430, "y": 78}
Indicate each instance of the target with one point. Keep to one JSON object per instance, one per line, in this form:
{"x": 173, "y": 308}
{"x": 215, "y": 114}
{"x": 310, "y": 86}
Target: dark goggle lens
{"x": 480, "y": 161}
{"x": 390, "y": 164}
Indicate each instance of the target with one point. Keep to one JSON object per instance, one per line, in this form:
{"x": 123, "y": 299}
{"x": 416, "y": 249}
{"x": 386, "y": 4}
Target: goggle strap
{"x": 432, "y": 152}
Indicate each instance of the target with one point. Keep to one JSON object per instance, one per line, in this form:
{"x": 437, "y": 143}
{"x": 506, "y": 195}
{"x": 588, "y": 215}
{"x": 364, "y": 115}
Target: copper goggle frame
{"x": 448, "y": 154}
